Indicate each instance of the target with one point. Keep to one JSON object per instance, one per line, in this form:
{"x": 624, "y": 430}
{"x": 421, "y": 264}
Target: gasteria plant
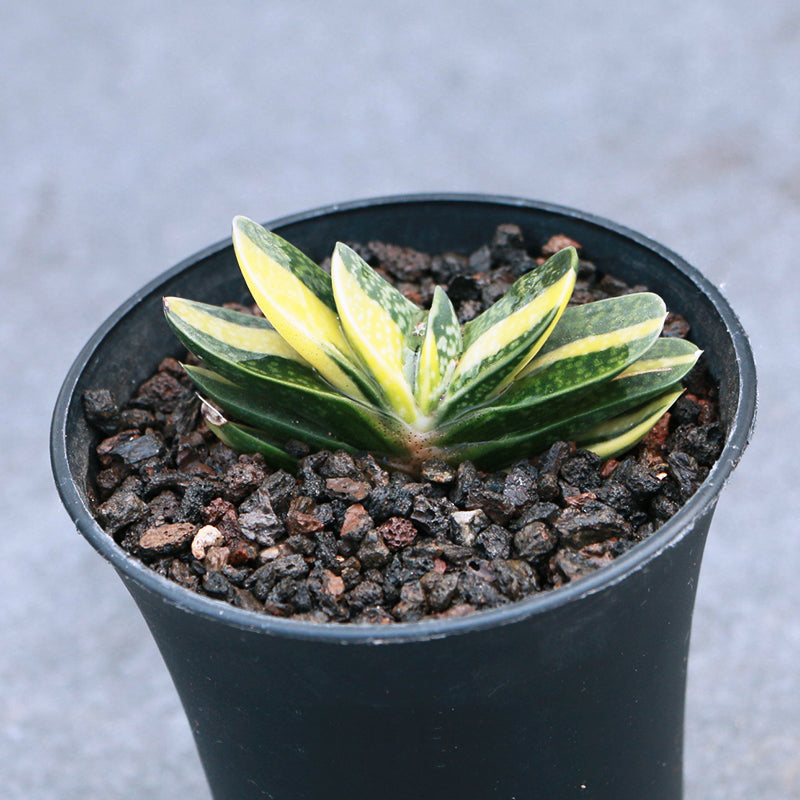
{"x": 345, "y": 361}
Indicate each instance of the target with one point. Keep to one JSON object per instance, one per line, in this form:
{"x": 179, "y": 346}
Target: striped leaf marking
{"x": 591, "y": 343}
{"x": 270, "y": 359}
{"x": 658, "y": 371}
{"x": 439, "y": 353}
{"x": 378, "y": 323}
{"x": 296, "y": 296}
{"x": 617, "y": 435}
{"x": 633, "y": 321}
{"x": 241, "y": 332}
{"x": 501, "y": 341}
{"x": 258, "y": 413}
{"x": 667, "y": 356}
{"x": 290, "y": 385}
{"x": 245, "y": 440}
{"x": 662, "y": 367}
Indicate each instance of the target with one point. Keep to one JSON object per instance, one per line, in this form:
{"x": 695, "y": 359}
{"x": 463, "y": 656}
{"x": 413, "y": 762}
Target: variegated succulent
{"x": 345, "y": 361}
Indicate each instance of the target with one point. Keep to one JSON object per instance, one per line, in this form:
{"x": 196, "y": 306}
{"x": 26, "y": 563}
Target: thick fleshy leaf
{"x": 619, "y": 434}
{"x": 256, "y": 411}
{"x": 278, "y": 375}
{"x": 628, "y": 325}
{"x": 379, "y": 324}
{"x": 246, "y": 440}
{"x": 666, "y": 359}
{"x": 439, "y": 353}
{"x": 240, "y": 332}
{"x": 590, "y": 343}
{"x": 499, "y": 343}
{"x": 296, "y": 296}
{"x": 657, "y": 372}
{"x": 346, "y": 361}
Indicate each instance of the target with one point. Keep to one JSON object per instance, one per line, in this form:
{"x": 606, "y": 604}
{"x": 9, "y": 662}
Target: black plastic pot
{"x": 576, "y": 693}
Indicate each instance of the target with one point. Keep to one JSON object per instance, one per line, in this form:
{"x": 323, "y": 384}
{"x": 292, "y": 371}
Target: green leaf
{"x": 591, "y": 343}
{"x": 439, "y": 353}
{"x": 628, "y": 325}
{"x": 240, "y": 332}
{"x": 278, "y": 375}
{"x": 378, "y": 323}
{"x": 257, "y": 412}
{"x": 615, "y": 436}
{"x": 246, "y": 440}
{"x": 667, "y": 359}
{"x": 296, "y": 296}
{"x": 658, "y": 371}
{"x": 500, "y": 342}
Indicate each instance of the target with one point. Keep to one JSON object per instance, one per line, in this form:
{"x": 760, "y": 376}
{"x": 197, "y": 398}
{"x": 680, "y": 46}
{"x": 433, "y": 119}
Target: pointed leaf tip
{"x": 500, "y": 342}
{"x": 296, "y": 296}
{"x": 377, "y": 321}
{"x": 440, "y": 351}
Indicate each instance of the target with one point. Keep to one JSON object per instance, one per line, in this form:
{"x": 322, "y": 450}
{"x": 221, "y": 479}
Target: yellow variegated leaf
{"x": 632, "y": 322}
{"x": 240, "y": 331}
{"x": 439, "y": 353}
{"x": 501, "y": 341}
{"x": 378, "y": 323}
{"x": 617, "y": 435}
{"x": 664, "y": 356}
{"x": 345, "y": 361}
{"x": 296, "y": 297}
{"x": 503, "y": 334}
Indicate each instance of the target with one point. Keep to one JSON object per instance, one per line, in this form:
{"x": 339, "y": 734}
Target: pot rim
{"x": 635, "y": 559}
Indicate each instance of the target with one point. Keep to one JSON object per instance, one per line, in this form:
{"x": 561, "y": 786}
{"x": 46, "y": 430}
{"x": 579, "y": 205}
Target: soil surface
{"x": 347, "y": 540}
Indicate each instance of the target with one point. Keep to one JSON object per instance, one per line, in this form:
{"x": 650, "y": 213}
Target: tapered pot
{"x": 575, "y": 693}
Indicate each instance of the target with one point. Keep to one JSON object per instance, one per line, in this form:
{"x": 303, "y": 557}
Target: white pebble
{"x": 207, "y": 536}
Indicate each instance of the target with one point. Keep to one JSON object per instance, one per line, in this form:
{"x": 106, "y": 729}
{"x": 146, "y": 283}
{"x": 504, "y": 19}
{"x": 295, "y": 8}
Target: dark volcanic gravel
{"x": 346, "y": 540}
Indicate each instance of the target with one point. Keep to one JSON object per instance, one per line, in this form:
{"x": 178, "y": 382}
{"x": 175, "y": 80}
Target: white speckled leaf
{"x": 439, "y": 353}
{"x": 297, "y": 298}
{"x": 500, "y": 342}
{"x": 617, "y": 435}
{"x": 590, "y": 344}
{"x": 379, "y": 324}
{"x": 570, "y": 416}
{"x": 626, "y": 325}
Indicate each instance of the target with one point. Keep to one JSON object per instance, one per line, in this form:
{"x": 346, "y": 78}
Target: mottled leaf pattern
{"x": 591, "y": 343}
{"x": 666, "y": 359}
{"x": 345, "y": 361}
{"x": 439, "y": 353}
{"x": 618, "y": 434}
{"x": 227, "y": 329}
{"x": 296, "y": 296}
{"x": 631, "y": 322}
{"x": 567, "y": 417}
{"x": 378, "y": 323}
{"x": 286, "y": 384}
{"x": 500, "y": 342}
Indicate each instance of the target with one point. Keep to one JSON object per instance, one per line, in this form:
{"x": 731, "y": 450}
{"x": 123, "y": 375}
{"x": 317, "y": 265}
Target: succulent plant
{"x": 345, "y": 361}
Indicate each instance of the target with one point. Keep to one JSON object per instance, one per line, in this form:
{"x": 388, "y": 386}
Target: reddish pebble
{"x": 397, "y": 532}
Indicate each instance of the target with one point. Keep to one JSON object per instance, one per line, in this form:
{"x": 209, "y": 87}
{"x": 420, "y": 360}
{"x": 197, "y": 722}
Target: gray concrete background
{"x": 131, "y": 133}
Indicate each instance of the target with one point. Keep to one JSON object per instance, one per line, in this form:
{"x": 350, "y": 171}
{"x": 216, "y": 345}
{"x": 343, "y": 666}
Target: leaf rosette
{"x": 345, "y": 361}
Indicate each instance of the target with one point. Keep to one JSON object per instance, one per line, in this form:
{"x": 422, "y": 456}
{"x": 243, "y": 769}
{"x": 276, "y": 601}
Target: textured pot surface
{"x": 575, "y": 693}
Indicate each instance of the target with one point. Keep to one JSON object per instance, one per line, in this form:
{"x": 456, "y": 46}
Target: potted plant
{"x": 577, "y": 692}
